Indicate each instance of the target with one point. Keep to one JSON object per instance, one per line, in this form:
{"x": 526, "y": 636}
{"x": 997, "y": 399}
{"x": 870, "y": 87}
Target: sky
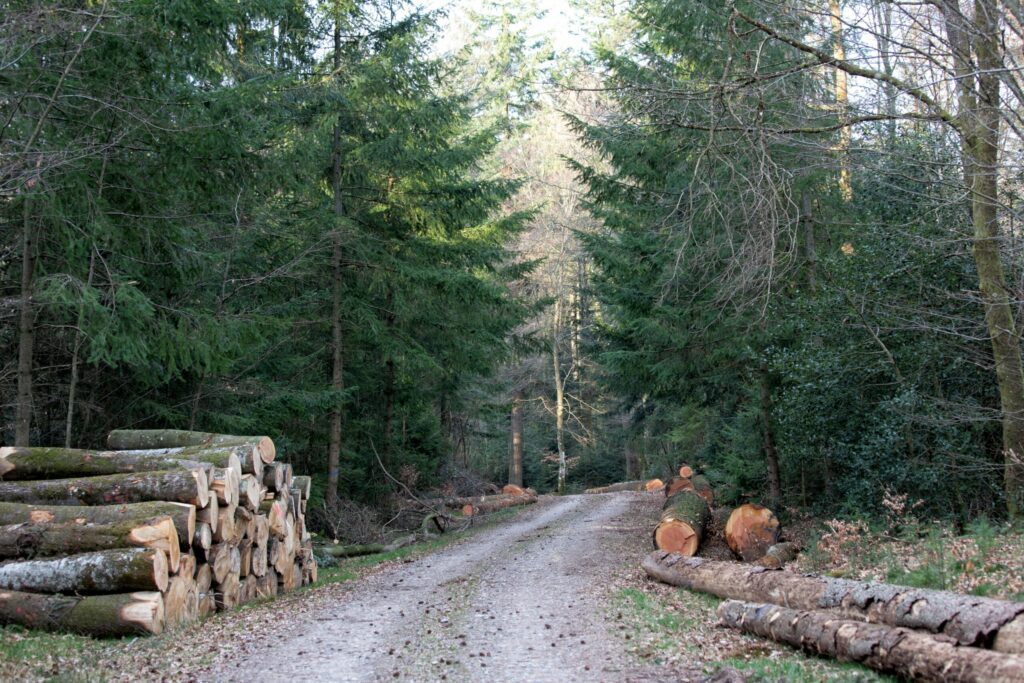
{"x": 560, "y": 25}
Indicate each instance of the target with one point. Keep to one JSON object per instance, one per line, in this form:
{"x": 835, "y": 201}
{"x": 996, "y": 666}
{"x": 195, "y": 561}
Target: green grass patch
{"x": 797, "y": 668}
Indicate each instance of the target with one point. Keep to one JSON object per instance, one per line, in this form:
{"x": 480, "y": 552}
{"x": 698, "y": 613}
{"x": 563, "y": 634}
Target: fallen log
{"x": 128, "y": 439}
{"x": 20, "y": 463}
{"x": 637, "y": 485}
{"x": 31, "y": 531}
{"x": 121, "y": 614}
{"x": 751, "y": 530}
{"x": 685, "y": 471}
{"x": 901, "y": 651}
{"x": 703, "y": 488}
{"x": 681, "y": 527}
{"x": 969, "y": 620}
{"x": 676, "y": 485}
{"x": 123, "y": 570}
{"x": 177, "y": 485}
{"x": 654, "y": 485}
{"x": 513, "y": 490}
{"x": 495, "y": 503}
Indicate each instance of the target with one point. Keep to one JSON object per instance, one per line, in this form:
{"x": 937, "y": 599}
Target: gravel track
{"x": 523, "y": 601}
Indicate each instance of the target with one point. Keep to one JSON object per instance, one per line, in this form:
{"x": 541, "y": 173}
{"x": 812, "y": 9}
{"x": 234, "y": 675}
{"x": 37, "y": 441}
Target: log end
{"x": 146, "y": 611}
{"x": 751, "y": 530}
{"x": 685, "y": 471}
{"x": 677, "y": 536}
{"x": 267, "y": 450}
{"x": 512, "y": 490}
{"x": 654, "y": 485}
{"x": 161, "y": 572}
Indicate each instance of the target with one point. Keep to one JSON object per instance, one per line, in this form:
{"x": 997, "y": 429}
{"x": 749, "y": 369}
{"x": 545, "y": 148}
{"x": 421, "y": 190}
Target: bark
{"x": 55, "y": 463}
{"x": 909, "y": 654}
{"x": 337, "y": 333}
{"x": 681, "y": 527}
{"x": 778, "y": 555}
{"x": 181, "y": 486}
{"x": 182, "y": 515}
{"x": 515, "y": 465}
{"x": 123, "y": 614}
{"x": 124, "y": 570}
{"x": 224, "y": 483}
{"x": 132, "y": 439}
{"x": 969, "y": 620}
{"x": 677, "y": 484}
{"x": 26, "y": 331}
{"x": 703, "y": 488}
{"x": 751, "y": 531}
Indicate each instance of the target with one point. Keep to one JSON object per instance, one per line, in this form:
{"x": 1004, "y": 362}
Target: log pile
{"x": 688, "y": 518}
{"x": 920, "y": 634}
{"x": 165, "y": 527}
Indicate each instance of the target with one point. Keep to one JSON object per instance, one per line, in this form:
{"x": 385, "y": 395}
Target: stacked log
{"x": 166, "y": 527}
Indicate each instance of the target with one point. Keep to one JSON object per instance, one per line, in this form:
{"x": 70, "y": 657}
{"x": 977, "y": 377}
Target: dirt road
{"x": 524, "y": 601}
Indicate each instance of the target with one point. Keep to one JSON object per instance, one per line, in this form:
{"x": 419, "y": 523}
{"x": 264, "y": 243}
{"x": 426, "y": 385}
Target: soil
{"x": 524, "y": 601}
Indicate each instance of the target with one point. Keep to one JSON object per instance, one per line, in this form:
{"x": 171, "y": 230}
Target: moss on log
{"x": 21, "y": 463}
{"x": 122, "y": 614}
{"x": 128, "y": 439}
{"x": 177, "y": 485}
{"x": 681, "y": 527}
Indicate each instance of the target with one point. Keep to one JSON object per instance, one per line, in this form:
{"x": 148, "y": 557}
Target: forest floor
{"x": 553, "y": 592}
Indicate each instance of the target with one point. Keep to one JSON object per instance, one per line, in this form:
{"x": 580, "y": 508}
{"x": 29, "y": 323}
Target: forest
{"x": 774, "y": 239}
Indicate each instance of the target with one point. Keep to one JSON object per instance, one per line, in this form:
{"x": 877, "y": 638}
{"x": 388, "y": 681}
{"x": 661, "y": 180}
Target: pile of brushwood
{"x": 165, "y": 527}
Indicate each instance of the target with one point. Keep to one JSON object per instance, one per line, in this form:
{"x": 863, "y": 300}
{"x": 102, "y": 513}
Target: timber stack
{"x": 165, "y": 527}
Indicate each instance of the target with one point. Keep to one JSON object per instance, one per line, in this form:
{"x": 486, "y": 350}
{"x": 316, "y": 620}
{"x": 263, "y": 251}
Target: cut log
{"x": 176, "y": 485}
{"x": 226, "y": 593}
{"x": 203, "y": 538}
{"x": 266, "y": 586}
{"x": 128, "y": 439}
{"x": 207, "y": 604}
{"x": 778, "y": 555}
{"x": 204, "y": 578}
{"x": 224, "y": 483}
{"x": 181, "y": 601}
{"x": 686, "y": 472}
{"x": 654, "y": 485}
{"x": 225, "y": 525}
{"x": 512, "y": 490}
{"x": 967, "y": 619}
{"x": 682, "y": 523}
{"x": 258, "y": 560}
{"x": 186, "y": 566}
{"x": 677, "y": 484}
{"x": 124, "y": 570}
{"x": 703, "y": 488}
{"x": 250, "y": 492}
{"x": 907, "y": 653}
{"x": 219, "y": 560}
{"x": 210, "y": 514}
{"x": 751, "y": 530}
{"x": 245, "y": 524}
{"x": 121, "y": 614}
{"x": 29, "y": 531}
{"x": 621, "y": 486}
{"x": 245, "y": 558}
{"x": 495, "y": 503}
{"x": 273, "y": 476}
{"x": 276, "y": 513}
{"x": 304, "y": 484}
{"x": 249, "y": 588}
{"x": 262, "y": 534}
{"x": 21, "y": 463}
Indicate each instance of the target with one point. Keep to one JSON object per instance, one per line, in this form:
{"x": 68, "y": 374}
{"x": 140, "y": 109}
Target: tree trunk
{"x": 909, "y": 654}
{"x": 49, "y": 539}
{"x": 133, "y": 439}
{"x": 181, "y": 486}
{"x": 771, "y": 454}
{"x": 73, "y": 383}
{"x": 683, "y": 519}
{"x": 751, "y": 531}
{"x": 124, "y": 614}
{"x": 842, "y": 100}
{"x": 969, "y": 620}
{"x": 559, "y": 394}
{"x": 26, "y": 331}
{"x": 109, "y": 571}
{"x": 57, "y": 463}
{"x": 515, "y": 466}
